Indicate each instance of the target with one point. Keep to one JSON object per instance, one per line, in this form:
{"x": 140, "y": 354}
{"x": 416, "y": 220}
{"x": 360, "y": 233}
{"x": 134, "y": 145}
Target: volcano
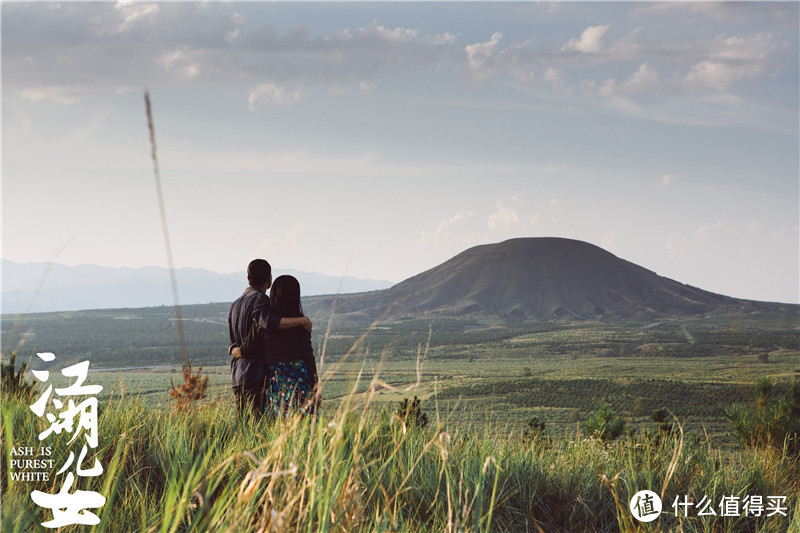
{"x": 542, "y": 278}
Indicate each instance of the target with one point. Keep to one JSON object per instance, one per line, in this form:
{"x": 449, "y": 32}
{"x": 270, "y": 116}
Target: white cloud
{"x": 716, "y": 75}
{"x": 376, "y": 34}
{"x": 180, "y": 60}
{"x": 443, "y": 230}
{"x": 396, "y": 35}
{"x": 134, "y": 11}
{"x": 461, "y": 215}
{"x": 590, "y": 41}
{"x": 479, "y": 54}
{"x": 666, "y": 180}
{"x": 730, "y": 59}
{"x": 292, "y": 239}
{"x": 105, "y": 46}
{"x": 644, "y": 79}
{"x": 269, "y": 93}
{"x": 506, "y": 213}
{"x": 555, "y": 79}
{"x": 231, "y": 35}
{"x": 703, "y": 233}
{"x": 170, "y": 58}
{"x": 519, "y": 59}
{"x": 751, "y": 48}
{"x": 754, "y": 227}
{"x": 179, "y": 43}
{"x": 58, "y": 95}
{"x": 294, "y": 236}
{"x": 365, "y": 87}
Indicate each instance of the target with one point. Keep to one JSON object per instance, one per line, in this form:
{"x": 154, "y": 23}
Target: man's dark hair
{"x": 258, "y": 272}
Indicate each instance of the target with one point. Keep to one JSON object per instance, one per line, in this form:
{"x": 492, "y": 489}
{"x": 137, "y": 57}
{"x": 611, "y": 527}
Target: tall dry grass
{"x": 358, "y": 467}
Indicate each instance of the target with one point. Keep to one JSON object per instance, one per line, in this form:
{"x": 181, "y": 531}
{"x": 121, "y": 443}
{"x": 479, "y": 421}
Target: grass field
{"x": 358, "y": 468}
{"x": 497, "y": 392}
{"x": 361, "y": 468}
{"x": 491, "y": 373}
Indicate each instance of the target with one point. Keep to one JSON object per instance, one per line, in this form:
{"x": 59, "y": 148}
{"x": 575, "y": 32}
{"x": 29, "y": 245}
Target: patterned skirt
{"x": 290, "y": 389}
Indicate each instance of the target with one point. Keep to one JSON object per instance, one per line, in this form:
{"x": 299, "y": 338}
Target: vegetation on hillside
{"x": 116, "y": 338}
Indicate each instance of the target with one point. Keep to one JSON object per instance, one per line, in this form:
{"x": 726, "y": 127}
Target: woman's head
{"x": 284, "y": 297}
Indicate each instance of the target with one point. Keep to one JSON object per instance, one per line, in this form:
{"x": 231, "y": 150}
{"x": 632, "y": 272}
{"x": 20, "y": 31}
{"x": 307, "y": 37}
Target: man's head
{"x": 259, "y": 273}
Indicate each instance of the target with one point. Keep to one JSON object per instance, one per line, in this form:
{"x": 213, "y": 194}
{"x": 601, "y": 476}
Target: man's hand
{"x": 295, "y": 322}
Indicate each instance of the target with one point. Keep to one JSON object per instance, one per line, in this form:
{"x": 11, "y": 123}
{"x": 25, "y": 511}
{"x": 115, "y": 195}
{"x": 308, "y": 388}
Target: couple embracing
{"x": 273, "y": 370}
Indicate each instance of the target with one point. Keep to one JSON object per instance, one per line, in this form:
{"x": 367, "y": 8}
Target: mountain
{"x": 539, "y": 278}
{"x": 41, "y": 287}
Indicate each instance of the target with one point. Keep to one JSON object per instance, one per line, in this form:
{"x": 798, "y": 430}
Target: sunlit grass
{"x": 360, "y": 468}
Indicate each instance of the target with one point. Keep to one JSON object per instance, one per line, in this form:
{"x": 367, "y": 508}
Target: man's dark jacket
{"x": 251, "y": 306}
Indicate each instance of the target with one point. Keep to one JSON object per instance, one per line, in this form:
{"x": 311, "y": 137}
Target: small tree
{"x": 604, "y": 424}
{"x": 192, "y": 389}
{"x": 661, "y": 418}
{"x": 14, "y": 383}
{"x": 411, "y": 414}
{"x": 771, "y": 422}
{"x": 533, "y": 430}
{"x": 640, "y": 407}
{"x": 763, "y": 389}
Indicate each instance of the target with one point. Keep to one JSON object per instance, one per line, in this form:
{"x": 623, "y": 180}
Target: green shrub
{"x": 411, "y": 414}
{"x": 533, "y": 429}
{"x": 772, "y": 422}
{"x": 604, "y": 424}
{"x": 14, "y": 383}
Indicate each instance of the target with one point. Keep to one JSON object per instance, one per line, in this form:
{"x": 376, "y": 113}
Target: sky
{"x": 379, "y": 139}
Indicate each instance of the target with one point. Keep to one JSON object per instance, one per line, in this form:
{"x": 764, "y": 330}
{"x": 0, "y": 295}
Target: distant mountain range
{"x": 542, "y": 278}
{"x": 42, "y": 287}
{"x": 527, "y": 278}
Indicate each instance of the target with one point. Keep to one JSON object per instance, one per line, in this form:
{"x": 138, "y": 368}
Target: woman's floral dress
{"x": 290, "y": 389}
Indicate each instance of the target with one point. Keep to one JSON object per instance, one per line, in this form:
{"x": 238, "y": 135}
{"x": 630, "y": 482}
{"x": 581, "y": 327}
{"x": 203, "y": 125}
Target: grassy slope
{"x": 359, "y": 469}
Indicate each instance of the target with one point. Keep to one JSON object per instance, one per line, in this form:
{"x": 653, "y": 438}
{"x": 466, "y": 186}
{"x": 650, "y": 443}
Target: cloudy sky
{"x": 379, "y": 139}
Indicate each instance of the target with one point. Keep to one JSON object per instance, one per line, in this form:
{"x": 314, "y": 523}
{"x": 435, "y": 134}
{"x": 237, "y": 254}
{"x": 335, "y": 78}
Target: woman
{"x": 291, "y": 368}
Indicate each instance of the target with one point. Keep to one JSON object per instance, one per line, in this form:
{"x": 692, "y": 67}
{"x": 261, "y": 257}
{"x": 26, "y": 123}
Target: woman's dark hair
{"x": 284, "y": 297}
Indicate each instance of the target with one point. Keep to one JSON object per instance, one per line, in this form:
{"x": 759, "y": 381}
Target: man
{"x": 249, "y": 373}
